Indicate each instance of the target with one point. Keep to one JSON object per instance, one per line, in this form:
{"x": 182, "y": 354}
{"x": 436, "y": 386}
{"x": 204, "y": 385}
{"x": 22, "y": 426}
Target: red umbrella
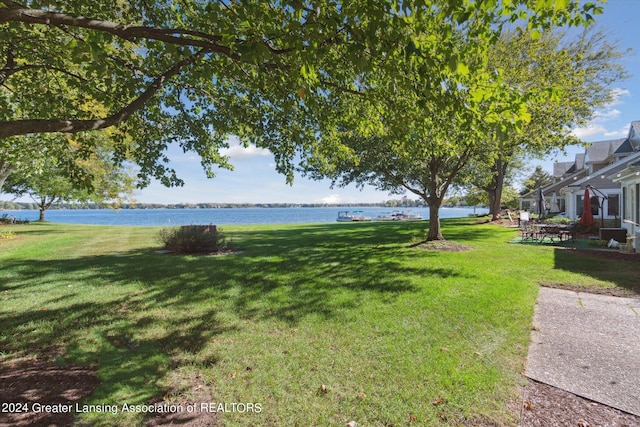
{"x": 587, "y": 217}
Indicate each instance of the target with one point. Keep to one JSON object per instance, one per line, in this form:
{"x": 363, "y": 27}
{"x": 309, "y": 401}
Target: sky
{"x": 254, "y": 179}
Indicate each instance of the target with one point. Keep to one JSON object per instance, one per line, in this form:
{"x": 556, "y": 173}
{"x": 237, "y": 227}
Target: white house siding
{"x": 601, "y": 181}
{"x": 629, "y": 181}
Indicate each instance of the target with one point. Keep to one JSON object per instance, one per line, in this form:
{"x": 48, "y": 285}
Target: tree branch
{"x": 23, "y": 127}
{"x": 14, "y": 12}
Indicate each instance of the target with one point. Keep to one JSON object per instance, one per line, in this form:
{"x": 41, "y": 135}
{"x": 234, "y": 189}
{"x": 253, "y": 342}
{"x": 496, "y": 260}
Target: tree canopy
{"x": 194, "y": 72}
{"x": 564, "y": 81}
{"x": 75, "y": 177}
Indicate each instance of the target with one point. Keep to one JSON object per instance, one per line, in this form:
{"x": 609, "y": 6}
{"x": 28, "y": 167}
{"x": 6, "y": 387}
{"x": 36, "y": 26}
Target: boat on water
{"x": 400, "y": 216}
{"x": 352, "y": 216}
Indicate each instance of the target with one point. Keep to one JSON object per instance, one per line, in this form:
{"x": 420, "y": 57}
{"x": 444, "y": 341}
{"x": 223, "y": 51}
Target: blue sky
{"x": 254, "y": 179}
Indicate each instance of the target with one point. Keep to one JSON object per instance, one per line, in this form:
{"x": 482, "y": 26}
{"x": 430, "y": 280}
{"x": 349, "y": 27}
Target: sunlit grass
{"x": 321, "y": 324}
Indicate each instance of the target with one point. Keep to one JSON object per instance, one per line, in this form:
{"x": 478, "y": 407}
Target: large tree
{"x": 419, "y": 133}
{"x": 196, "y": 72}
{"x": 564, "y": 81}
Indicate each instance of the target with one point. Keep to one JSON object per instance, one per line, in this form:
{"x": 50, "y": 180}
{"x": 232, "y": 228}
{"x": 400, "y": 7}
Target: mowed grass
{"x": 319, "y": 324}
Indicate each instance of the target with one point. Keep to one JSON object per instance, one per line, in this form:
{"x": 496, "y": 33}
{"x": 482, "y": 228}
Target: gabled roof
{"x": 599, "y": 152}
{"x": 625, "y": 148}
{"x": 557, "y": 186}
{"x": 560, "y": 168}
{"x": 600, "y": 179}
{"x": 578, "y": 165}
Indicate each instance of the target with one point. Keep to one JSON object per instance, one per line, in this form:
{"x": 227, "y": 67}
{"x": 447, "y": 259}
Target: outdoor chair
{"x": 569, "y": 232}
{"x": 527, "y": 233}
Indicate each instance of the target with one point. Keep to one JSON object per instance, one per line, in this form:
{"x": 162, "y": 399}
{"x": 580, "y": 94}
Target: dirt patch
{"x": 27, "y": 383}
{"x": 610, "y": 254}
{"x": 196, "y": 393}
{"x": 442, "y": 245}
{"x": 544, "y": 405}
{"x": 218, "y": 252}
{"x": 614, "y": 292}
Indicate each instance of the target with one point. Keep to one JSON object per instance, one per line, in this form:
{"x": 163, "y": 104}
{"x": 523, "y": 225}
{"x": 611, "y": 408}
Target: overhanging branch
{"x": 24, "y": 127}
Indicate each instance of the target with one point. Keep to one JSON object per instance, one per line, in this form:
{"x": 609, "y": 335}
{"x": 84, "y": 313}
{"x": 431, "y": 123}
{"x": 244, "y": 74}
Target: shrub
{"x": 559, "y": 220}
{"x": 6, "y": 234}
{"x": 598, "y": 243}
{"x": 189, "y": 239}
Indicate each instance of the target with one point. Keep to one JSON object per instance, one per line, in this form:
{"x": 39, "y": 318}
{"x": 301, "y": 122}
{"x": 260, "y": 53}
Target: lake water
{"x": 168, "y": 217}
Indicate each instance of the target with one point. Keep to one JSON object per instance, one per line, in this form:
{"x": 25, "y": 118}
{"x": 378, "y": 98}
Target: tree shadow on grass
{"x": 138, "y": 314}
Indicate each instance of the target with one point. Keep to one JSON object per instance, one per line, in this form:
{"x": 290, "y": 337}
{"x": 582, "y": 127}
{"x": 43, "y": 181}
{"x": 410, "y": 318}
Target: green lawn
{"x": 320, "y": 324}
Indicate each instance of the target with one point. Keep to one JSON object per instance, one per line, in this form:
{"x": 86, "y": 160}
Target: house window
{"x": 579, "y": 205}
{"x": 637, "y": 214}
{"x": 595, "y": 205}
{"x": 613, "y": 207}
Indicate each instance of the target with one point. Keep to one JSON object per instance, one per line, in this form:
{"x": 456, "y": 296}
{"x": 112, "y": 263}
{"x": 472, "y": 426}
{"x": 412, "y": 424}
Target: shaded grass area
{"x": 321, "y": 324}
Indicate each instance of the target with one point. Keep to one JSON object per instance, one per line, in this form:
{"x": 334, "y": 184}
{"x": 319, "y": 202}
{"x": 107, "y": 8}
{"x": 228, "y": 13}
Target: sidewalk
{"x": 588, "y": 345}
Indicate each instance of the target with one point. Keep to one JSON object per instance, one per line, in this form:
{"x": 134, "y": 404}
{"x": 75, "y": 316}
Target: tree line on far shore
{"x": 394, "y": 203}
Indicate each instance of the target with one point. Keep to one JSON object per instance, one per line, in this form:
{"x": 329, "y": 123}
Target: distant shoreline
{"x": 17, "y": 206}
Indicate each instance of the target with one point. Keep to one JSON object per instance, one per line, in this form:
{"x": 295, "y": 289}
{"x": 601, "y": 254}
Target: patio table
{"x": 551, "y": 231}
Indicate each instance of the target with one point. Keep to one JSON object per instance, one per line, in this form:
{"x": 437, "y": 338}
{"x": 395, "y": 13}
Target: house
{"x": 609, "y": 169}
{"x": 628, "y": 179}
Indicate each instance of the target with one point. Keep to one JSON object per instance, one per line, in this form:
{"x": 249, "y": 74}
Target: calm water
{"x": 167, "y": 217}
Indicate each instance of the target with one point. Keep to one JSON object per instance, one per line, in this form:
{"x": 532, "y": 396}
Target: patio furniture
{"x": 527, "y": 232}
{"x": 552, "y": 232}
{"x": 569, "y": 232}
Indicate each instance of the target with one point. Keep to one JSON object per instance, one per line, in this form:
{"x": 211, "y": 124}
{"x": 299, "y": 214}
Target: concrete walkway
{"x": 588, "y": 345}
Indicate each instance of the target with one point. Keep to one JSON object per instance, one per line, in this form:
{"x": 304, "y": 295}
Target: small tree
{"x": 79, "y": 176}
{"x": 539, "y": 178}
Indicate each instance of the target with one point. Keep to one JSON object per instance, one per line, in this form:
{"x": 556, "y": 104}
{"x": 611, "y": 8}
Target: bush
{"x": 192, "y": 239}
{"x": 6, "y": 234}
{"x": 598, "y": 243}
{"x": 559, "y": 220}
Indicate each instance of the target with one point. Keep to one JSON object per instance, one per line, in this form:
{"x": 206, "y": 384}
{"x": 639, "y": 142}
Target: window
{"x": 613, "y": 207}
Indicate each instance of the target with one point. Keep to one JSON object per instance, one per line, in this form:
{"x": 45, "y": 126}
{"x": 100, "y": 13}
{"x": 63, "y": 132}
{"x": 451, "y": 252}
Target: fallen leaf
{"x": 412, "y": 418}
{"x": 583, "y": 423}
{"x": 438, "y": 401}
{"x": 527, "y": 405}
{"x": 361, "y": 395}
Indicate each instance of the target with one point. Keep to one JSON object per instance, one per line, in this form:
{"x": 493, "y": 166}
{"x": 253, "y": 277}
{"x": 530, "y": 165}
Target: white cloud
{"x": 617, "y": 93}
{"x": 598, "y": 126}
{"x": 237, "y": 151}
{"x": 590, "y": 130}
{"x": 331, "y": 199}
{"x": 621, "y": 133}
{"x": 609, "y": 114}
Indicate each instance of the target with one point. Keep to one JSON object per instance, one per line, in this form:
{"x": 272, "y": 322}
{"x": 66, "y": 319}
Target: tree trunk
{"x": 435, "y": 233}
{"x": 5, "y": 171}
{"x": 44, "y": 204}
{"x": 494, "y": 189}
